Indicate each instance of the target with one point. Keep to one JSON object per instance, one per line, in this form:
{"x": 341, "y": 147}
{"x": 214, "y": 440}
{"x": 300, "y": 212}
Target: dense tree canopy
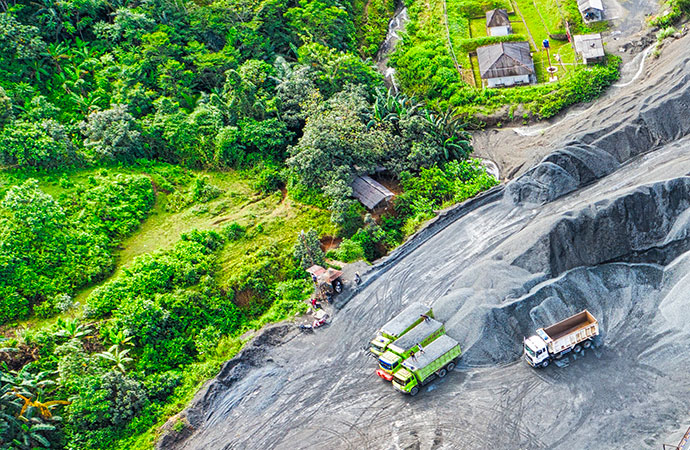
{"x": 273, "y": 89}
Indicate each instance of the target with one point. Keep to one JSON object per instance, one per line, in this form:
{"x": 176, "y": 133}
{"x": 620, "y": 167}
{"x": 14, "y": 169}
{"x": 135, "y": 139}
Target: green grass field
{"x": 543, "y": 17}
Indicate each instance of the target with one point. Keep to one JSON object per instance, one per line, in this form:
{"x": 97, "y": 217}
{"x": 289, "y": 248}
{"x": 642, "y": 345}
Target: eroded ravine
{"x": 601, "y": 223}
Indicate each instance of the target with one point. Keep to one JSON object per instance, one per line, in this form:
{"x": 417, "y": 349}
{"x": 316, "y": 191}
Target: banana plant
{"x": 72, "y": 329}
{"x": 118, "y": 358}
{"x": 448, "y": 131}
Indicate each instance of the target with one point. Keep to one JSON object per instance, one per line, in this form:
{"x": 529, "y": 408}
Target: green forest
{"x": 159, "y": 161}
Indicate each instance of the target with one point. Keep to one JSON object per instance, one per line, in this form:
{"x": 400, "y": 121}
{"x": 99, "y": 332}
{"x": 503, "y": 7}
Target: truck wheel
{"x": 450, "y": 366}
{"x": 442, "y": 373}
{"x": 338, "y": 286}
{"x": 414, "y": 391}
{"x": 545, "y": 364}
{"x": 587, "y": 344}
{"x": 578, "y": 348}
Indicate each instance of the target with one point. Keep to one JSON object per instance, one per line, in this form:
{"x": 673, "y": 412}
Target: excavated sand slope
{"x": 602, "y": 223}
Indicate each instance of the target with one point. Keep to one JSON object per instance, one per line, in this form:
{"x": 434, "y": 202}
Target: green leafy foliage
{"x": 98, "y": 88}
{"x": 349, "y": 250}
{"x": 51, "y": 247}
{"x": 308, "y": 250}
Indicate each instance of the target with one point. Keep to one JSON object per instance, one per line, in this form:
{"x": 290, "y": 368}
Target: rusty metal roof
{"x": 507, "y": 59}
{"x": 369, "y": 192}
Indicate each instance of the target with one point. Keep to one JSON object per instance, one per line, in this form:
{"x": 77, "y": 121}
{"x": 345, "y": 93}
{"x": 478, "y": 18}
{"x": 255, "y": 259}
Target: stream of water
{"x": 396, "y": 24}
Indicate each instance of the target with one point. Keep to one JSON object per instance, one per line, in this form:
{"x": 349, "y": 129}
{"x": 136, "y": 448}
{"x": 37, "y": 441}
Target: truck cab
{"x": 403, "y": 380}
{"x": 536, "y": 352}
{"x": 379, "y": 345}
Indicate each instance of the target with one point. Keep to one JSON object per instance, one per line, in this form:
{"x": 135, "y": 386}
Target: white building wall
{"x": 507, "y": 81}
{"x": 499, "y": 31}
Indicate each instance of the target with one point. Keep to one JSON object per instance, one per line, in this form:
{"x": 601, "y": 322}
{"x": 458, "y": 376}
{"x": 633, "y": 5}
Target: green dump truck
{"x": 434, "y": 360}
{"x": 399, "y": 325}
{"x": 398, "y": 350}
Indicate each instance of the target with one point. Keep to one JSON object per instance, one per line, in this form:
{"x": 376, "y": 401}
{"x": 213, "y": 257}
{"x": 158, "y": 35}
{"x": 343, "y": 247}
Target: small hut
{"x": 506, "y": 64}
{"x": 591, "y": 10}
{"x": 369, "y": 192}
{"x": 590, "y": 47}
{"x": 498, "y": 23}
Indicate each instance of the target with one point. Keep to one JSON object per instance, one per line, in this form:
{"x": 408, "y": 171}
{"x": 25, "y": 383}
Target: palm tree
{"x": 118, "y": 358}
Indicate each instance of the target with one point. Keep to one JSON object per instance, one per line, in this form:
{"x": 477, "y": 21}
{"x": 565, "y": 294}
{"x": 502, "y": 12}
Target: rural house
{"x": 591, "y": 10}
{"x": 590, "y": 47}
{"x": 506, "y": 64}
{"x": 497, "y": 23}
{"x": 369, "y": 192}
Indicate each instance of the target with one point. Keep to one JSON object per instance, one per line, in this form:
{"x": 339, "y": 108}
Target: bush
{"x": 105, "y": 405}
{"x": 43, "y": 144}
{"x": 234, "y": 232}
{"x": 230, "y": 151}
{"x": 203, "y": 191}
{"x": 113, "y": 133}
{"x": 55, "y": 247}
{"x": 160, "y": 386}
{"x": 269, "y": 180}
{"x": 347, "y": 251}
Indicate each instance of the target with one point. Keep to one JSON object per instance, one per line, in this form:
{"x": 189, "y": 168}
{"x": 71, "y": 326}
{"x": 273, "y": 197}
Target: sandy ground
{"x": 603, "y": 223}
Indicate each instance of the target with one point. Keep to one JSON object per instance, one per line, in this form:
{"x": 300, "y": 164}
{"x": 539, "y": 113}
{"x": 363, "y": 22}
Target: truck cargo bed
{"x": 570, "y": 325}
{"x": 407, "y": 317}
{"x": 431, "y": 353}
{"x": 417, "y": 334}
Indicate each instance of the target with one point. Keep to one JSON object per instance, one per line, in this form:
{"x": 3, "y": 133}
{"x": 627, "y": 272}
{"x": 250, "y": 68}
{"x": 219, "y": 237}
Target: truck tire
{"x": 587, "y": 344}
{"x": 545, "y": 364}
{"x": 577, "y": 348}
{"x": 414, "y": 391}
{"x": 442, "y": 373}
{"x": 338, "y": 286}
{"x": 450, "y": 366}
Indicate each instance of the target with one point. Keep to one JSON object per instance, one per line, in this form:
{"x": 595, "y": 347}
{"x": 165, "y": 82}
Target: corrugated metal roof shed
{"x": 584, "y": 5}
{"x": 589, "y": 45}
{"x": 497, "y": 18}
{"x": 369, "y": 192}
{"x": 507, "y": 59}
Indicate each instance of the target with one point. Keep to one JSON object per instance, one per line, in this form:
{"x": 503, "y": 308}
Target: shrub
{"x": 234, "y": 231}
{"x": 268, "y": 180}
{"x": 230, "y": 151}
{"x": 347, "y": 251}
{"x": 105, "y": 405}
{"x": 113, "y": 133}
{"x": 36, "y": 144}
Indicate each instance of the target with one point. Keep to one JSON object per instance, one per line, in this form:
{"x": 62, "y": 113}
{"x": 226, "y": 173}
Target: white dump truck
{"x": 572, "y": 334}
